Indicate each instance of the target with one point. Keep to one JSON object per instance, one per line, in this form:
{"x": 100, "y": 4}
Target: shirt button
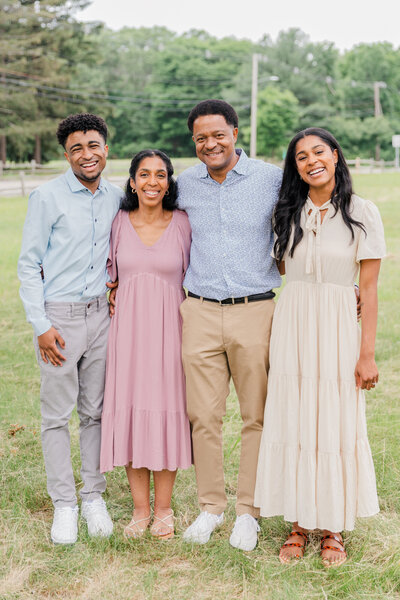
{"x": 95, "y": 244}
{"x": 91, "y": 267}
{"x": 95, "y": 220}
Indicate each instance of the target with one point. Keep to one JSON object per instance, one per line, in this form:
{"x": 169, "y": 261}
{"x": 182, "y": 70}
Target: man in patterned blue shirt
{"x": 227, "y": 315}
{"x": 66, "y": 238}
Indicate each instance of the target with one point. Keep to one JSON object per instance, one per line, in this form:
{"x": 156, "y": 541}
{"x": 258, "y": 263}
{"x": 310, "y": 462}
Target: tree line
{"x": 144, "y": 81}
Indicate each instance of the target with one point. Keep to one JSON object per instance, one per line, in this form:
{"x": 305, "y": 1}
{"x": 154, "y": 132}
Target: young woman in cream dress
{"x": 315, "y": 466}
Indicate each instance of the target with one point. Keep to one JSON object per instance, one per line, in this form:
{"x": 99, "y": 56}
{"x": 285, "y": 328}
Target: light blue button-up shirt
{"x": 232, "y": 235}
{"x": 67, "y": 231}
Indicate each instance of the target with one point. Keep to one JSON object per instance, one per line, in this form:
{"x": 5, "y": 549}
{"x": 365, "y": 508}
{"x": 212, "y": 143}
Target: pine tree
{"x": 40, "y": 46}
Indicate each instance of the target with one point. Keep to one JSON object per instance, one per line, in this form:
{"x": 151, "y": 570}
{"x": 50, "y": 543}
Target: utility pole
{"x": 378, "y": 111}
{"x": 254, "y": 93}
{"x": 3, "y": 139}
{"x": 253, "y": 118}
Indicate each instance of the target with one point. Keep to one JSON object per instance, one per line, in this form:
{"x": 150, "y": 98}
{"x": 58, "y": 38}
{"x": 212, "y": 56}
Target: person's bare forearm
{"x": 366, "y": 371}
{"x": 369, "y": 317}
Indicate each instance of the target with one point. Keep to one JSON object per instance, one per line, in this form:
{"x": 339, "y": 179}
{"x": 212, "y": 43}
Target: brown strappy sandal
{"x": 288, "y": 544}
{"x": 336, "y": 563}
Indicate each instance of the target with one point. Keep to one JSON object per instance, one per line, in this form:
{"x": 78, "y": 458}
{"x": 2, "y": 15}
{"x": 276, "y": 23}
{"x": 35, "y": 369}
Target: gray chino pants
{"x": 79, "y": 381}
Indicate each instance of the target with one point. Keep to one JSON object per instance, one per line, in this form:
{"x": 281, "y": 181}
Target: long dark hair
{"x": 131, "y": 200}
{"x": 294, "y": 192}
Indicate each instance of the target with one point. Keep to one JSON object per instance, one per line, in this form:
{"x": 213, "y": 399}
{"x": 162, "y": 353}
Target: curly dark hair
{"x": 81, "y": 122}
{"x": 294, "y": 191}
{"x": 131, "y": 200}
{"x": 213, "y": 107}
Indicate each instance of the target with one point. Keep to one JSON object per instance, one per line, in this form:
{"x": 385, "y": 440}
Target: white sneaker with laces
{"x": 65, "y": 525}
{"x": 201, "y": 529}
{"x": 97, "y": 518}
{"x": 244, "y": 533}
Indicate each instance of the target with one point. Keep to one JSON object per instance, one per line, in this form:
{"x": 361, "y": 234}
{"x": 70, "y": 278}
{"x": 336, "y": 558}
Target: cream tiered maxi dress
{"x": 315, "y": 465}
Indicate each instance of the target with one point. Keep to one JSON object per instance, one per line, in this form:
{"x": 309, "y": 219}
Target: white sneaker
{"x": 97, "y": 518}
{"x": 244, "y": 533}
{"x": 201, "y": 529}
{"x": 65, "y": 525}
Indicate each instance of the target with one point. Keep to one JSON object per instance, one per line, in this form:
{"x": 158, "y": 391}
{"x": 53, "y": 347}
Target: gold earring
{"x": 167, "y": 192}
{"x": 133, "y": 190}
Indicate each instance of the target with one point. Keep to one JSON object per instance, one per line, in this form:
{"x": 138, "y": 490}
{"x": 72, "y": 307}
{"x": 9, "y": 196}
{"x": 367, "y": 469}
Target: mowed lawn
{"x": 116, "y": 569}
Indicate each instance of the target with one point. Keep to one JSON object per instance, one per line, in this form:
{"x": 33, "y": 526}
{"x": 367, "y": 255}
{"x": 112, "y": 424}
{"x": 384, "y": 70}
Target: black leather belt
{"x": 242, "y": 300}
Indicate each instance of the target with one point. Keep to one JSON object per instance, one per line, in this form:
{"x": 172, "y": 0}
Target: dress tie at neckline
{"x": 313, "y": 228}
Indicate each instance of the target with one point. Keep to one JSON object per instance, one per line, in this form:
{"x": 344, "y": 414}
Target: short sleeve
{"x": 185, "y": 233}
{"x": 371, "y": 244}
{"x": 112, "y": 262}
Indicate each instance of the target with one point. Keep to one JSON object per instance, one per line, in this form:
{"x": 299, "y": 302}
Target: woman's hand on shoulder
{"x": 366, "y": 373}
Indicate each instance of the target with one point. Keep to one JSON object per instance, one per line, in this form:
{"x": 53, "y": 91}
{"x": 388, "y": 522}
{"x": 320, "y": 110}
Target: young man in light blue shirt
{"x": 62, "y": 269}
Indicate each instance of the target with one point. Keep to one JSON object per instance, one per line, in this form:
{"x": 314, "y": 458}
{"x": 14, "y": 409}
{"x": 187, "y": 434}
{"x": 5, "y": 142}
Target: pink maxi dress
{"x": 144, "y": 419}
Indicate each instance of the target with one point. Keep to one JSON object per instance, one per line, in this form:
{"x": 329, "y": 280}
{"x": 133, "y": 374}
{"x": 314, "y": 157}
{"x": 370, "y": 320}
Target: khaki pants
{"x": 79, "y": 382}
{"x": 220, "y": 342}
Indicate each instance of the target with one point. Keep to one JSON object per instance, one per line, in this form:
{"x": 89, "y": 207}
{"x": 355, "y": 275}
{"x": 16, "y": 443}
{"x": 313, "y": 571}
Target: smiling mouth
{"x": 317, "y": 171}
{"x": 89, "y": 165}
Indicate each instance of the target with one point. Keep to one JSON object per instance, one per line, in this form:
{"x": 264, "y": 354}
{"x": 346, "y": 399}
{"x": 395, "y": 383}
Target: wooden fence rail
{"x": 370, "y": 164}
{"x": 31, "y": 167}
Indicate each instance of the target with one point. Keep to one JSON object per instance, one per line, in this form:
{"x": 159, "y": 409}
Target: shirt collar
{"x": 240, "y": 168}
{"x": 76, "y": 186}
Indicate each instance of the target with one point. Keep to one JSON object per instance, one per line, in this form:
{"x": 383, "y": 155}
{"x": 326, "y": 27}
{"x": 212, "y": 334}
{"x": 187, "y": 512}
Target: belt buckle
{"x": 225, "y": 301}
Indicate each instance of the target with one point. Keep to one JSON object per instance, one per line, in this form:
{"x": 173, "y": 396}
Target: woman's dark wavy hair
{"x": 294, "y": 192}
{"x": 131, "y": 200}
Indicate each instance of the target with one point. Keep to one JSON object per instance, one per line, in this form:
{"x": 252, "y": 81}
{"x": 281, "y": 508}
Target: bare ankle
{"x": 162, "y": 509}
{"x": 296, "y": 527}
{"x": 141, "y": 512}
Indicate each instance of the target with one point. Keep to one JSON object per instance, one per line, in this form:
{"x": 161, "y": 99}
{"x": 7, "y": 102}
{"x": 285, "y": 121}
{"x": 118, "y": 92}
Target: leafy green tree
{"x": 191, "y": 68}
{"x": 377, "y": 132}
{"x": 144, "y": 81}
{"x": 359, "y": 68}
{"x": 303, "y": 67}
{"x": 124, "y": 74}
{"x": 317, "y": 114}
{"x": 277, "y": 119}
{"x": 41, "y": 43}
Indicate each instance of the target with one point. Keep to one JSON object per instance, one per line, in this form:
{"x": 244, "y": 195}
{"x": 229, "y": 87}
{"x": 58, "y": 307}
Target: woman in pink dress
{"x": 144, "y": 424}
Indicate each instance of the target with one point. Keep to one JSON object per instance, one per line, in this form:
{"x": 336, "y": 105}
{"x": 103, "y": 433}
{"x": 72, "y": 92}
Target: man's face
{"x": 86, "y": 153}
{"x": 215, "y": 143}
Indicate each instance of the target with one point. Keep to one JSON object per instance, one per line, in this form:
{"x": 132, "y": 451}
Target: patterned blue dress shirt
{"x": 67, "y": 230}
{"x": 232, "y": 236}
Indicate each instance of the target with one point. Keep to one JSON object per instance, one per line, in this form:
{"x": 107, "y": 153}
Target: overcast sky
{"x": 344, "y": 22}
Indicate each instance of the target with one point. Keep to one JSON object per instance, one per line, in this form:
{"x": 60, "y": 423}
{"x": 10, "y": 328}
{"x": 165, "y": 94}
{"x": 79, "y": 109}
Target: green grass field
{"x": 116, "y": 569}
